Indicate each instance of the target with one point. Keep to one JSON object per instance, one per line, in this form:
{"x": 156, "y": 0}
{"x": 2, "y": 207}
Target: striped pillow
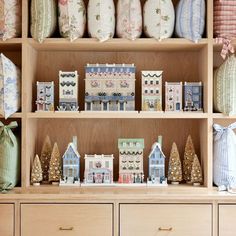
{"x": 43, "y": 19}
{"x": 190, "y": 19}
{"x": 225, "y": 87}
{"x": 224, "y": 19}
{"x": 224, "y": 166}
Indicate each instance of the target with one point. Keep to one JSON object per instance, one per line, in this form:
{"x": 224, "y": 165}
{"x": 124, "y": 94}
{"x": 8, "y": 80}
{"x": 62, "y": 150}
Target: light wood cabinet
{"x": 165, "y": 219}
{"x": 227, "y": 216}
{"x": 66, "y": 219}
{"x": 6, "y": 219}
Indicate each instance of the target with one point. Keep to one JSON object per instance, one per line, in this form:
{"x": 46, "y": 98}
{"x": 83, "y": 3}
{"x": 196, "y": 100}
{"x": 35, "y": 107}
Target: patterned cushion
{"x": 159, "y": 19}
{"x": 43, "y": 19}
{"x": 101, "y": 19}
{"x": 10, "y": 19}
{"x": 72, "y": 18}
{"x": 10, "y": 87}
{"x": 225, "y": 87}
{"x": 129, "y": 19}
{"x": 224, "y": 19}
{"x": 190, "y": 19}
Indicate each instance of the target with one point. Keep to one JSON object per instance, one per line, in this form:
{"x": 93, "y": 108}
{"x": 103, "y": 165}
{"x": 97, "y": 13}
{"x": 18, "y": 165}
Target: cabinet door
{"x": 66, "y": 219}
{"x": 6, "y": 219}
{"x": 227, "y": 216}
{"x": 165, "y": 219}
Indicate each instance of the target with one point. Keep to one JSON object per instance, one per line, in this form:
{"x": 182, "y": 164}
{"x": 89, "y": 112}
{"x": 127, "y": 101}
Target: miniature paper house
{"x": 193, "y": 96}
{"x": 152, "y": 90}
{"x": 45, "y": 96}
{"x": 173, "y": 96}
{"x": 131, "y": 160}
{"x": 156, "y": 163}
{"x": 71, "y": 165}
{"x": 68, "y": 91}
{"x": 98, "y": 169}
{"x": 110, "y": 87}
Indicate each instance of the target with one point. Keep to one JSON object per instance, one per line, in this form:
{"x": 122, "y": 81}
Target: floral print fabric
{"x": 10, "y": 19}
{"x": 129, "y": 19}
{"x": 159, "y": 19}
{"x": 43, "y": 19}
{"x": 101, "y": 19}
{"x": 10, "y": 87}
{"x": 72, "y": 18}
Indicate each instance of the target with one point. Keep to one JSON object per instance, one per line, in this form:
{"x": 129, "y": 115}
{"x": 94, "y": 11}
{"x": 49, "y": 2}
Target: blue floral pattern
{"x": 10, "y": 87}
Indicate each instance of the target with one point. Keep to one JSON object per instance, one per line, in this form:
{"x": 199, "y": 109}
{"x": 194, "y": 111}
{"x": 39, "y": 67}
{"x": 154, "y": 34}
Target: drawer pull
{"x": 66, "y": 229}
{"x": 165, "y": 229}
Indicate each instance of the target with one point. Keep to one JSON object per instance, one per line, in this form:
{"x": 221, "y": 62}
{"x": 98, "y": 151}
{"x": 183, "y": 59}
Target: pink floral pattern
{"x": 129, "y": 19}
{"x": 72, "y": 18}
{"x": 10, "y": 19}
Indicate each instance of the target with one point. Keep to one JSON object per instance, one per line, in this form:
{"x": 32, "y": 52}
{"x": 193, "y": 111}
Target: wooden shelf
{"x": 143, "y": 44}
{"x": 117, "y": 115}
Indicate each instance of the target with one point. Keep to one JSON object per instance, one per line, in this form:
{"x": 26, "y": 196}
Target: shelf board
{"x": 11, "y": 44}
{"x": 142, "y": 44}
{"x": 117, "y": 115}
{"x": 222, "y": 116}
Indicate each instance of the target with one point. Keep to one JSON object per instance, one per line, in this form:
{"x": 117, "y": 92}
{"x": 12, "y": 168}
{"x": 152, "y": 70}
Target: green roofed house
{"x": 131, "y": 161}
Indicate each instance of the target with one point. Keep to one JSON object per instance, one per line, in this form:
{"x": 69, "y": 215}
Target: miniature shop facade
{"x": 110, "y": 87}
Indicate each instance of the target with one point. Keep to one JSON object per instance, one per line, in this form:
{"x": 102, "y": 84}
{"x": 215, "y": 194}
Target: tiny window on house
{"x": 157, "y": 91}
{"x": 146, "y": 91}
{"x": 157, "y": 82}
{"x": 151, "y": 91}
{"x": 107, "y": 164}
{"x": 146, "y": 82}
{"x": 151, "y": 82}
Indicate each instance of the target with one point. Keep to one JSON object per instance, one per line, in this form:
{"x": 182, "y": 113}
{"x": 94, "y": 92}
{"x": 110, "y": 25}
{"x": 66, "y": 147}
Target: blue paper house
{"x": 71, "y": 163}
{"x": 156, "y": 164}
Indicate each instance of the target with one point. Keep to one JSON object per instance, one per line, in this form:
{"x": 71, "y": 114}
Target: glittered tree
{"x": 175, "y": 168}
{"x": 36, "y": 172}
{"x": 196, "y": 173}
{"x": 45, "y": 157}
{"x": 55, "y": 165}
{"x": 189, "y": 153}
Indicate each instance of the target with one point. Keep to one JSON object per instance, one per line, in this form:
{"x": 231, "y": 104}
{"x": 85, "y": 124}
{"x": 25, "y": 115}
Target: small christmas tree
{"x": 55, "y": 165}
{"x": 189, "y": 153}
{"x": 45, "y": 157}
{"x": 175, "y": 168}
{"x": 196, "y": 173}
{"x": 36, "y": 173}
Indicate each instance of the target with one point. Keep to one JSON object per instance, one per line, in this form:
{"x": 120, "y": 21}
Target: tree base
{"x": 174, "y": 182}
{"x": 196, "y": 184}
{"x": 55, "y": 183}
{"x": 36, "y": 184}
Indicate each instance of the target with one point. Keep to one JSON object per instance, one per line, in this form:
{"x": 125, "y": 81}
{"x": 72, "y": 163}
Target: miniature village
{"x": 53, "y": 168}
{"x": 111, "y": 87}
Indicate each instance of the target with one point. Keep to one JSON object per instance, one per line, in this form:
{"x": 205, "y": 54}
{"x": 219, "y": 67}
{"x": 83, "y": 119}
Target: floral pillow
{"x": 159, "y": 19}
{"x": 10, "y": 19}
{"x": 129, "y": 19}
{"x": 101, "y": 19}
{"x": 43, "y": 19}
{"x": 10, "y": 87}
{"x": 72, "y": 18}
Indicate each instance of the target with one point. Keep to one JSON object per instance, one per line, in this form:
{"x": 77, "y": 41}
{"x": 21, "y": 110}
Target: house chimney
{"x": 75, "y": 142}
{"x": 160, "y": 140}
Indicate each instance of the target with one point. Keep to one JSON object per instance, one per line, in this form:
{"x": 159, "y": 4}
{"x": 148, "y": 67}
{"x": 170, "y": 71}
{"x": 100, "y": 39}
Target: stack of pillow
{"x": 158, "y": 19}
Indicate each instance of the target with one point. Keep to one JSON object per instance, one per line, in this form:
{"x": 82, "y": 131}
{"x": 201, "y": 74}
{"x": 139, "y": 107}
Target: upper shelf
{"x": 142, "y": 44}
{"x": 118, "y": 115}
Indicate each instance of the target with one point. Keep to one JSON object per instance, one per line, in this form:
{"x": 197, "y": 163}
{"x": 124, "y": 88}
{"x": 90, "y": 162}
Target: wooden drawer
{"x": 165, "y": 219}
{"x": 7, "y": 219}
{"x": 227, "y": 216}
{"x": 66, "y": 219}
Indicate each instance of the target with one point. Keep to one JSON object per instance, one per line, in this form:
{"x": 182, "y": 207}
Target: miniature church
{"x": 131, "y": 161}
{"x": 68, "y": 91}
{"x": 71, "y": 165}
{"x": 157, "y": 164}
{"x": 98, "y": 169}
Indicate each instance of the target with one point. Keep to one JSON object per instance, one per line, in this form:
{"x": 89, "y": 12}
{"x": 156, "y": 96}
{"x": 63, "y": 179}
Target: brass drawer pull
{"x": 165, "y": 229}
{"x": 66, "y": 229}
